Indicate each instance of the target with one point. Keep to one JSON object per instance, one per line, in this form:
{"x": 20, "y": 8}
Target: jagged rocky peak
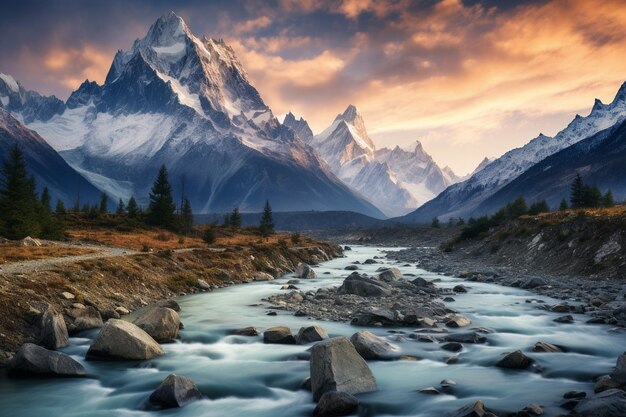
{"x": 30, "y": 105}
{"x": 300, "y": 126}
{"x": 353, "y": 117}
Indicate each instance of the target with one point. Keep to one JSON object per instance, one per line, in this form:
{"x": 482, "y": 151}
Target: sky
{"x": 468, "y": 79}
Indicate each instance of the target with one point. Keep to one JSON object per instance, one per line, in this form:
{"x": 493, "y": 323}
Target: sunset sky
{"x": 469, "y": 79}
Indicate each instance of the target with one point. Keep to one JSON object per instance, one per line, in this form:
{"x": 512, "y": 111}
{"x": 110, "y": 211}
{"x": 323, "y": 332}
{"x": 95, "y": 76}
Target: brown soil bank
{"x": 132, "y": 281}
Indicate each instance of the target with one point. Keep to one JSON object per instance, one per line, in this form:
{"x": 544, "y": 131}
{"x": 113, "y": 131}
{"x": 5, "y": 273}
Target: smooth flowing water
{"x": 243, "y": 376}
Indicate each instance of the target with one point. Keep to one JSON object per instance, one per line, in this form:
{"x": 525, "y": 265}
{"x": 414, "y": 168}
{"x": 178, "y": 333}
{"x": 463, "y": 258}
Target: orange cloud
{"x": 252, "y": 25}
{"x": 76, "y": 65}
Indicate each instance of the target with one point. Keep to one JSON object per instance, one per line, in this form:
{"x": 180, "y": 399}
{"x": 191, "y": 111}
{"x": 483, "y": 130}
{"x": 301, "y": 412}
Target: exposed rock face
{"x": 175, "y": 391}
{"x": 85, "y": 318}
{"x": 371, "y": 346}
{"x": 305, "y": 271}
{"x": 33, "y": 359}
{"x": 515, "y": 360}
{"x": 311, "y": 334}
{"x": 161, "y": 323}
{"x": 611, "y": 403}
{"x": 279, "y": 335}
{"x": 337, "y": 366}
{"x": 363, "y": 286}
{"x": 619, "y": 374}
{"x": 53, "y": 333}
{"x": 121, "y": 340}
{"x": 336, "y": 404}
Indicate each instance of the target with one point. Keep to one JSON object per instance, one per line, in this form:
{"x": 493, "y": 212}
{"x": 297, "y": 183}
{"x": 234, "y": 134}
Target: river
{"x": 242, "y": 376}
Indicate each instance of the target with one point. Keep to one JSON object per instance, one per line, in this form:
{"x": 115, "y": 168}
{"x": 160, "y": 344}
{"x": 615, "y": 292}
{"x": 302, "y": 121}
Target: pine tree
{"x": 60, "y": 208}
{"x": 266, "y": 226}
{"x": 226, "y": 220}
{"x": 161, "y": 211}
{"x": 538, "y": 207}
{"x": 235, "y": 218}
{"x": 607, "y": 200}
{"x": 121, "y": 208}
{"x": 592, "y": 197}
{"x": 45, "y": 200}
{"x": 131, "y": 208}
{"x": 18, "y": 199}
{"x": 577, "y": 192}
{"x": 186, "y": 217}
{"x": 435, "y": 223}
{"x": 103, "y": 204}
{"x": 563, "y": 206}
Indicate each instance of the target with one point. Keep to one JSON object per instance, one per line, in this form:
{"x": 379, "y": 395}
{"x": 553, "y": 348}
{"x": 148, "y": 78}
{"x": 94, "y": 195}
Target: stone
{"x": 336, "y": 404}
{"x": 53, "y": 332}
{"x": 546, "y": 347}
{"x": 452, "y": 347}
{"x": 122, "y": 311}
{"x": 67, "y": 295}
{"x": 604, "y": 383}
{"x": 203, "y": 285}
{"x": 121, "y": 340}
{"x": 109, "y": 314}
{"x": 449, "y": 300}
{"x": 421, "y": 282}
{"x": 476, "y": 409}
{"x": 304, "y": 271}
{"x": 370, "y": 262}
{"x": 459, "y": 288}
{"x": 263, "y": 276}
{"x": 619, "y": 374}
{"x": 467, "y": 337}
{"x": 86, "y": 318}
{"x": 447, "y": 384}
{"x": 531, "y": 410}
{"x": 280, "y": 335}
{"x": 311, "y": 334}
{"x": 246, "y": 331}
{"x": 363, "y": 286}
{"x": 29, "y": 241}
{"x": 515, "y": 360}
{"x": 351, "y": 268}
{"x": 610, "y": 403}
{"x": 561, "y": 308}
{"x": 430, "y": 391}
{"x": 161, "y": 323}
{"x": 169, "y": 304}
{"x": 337, "y": 366}
{"x": 390, "y": 274}
{"x": 575, "y": 395}
{"x": 564, "y": 319}
{"x": 36, "y": 360}
{"x": 533, "y": 283}
{"x": 175, "y": 391}
{"x": 458, "y": 321}
{"x": 451, "y": 360}
{"x": 371, "y": 346}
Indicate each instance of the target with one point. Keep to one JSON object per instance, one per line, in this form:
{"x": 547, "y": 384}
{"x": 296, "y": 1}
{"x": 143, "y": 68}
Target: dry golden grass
{"x": 136, "y": 239}
{"x": 616, "y": 212}
{"x": 12, "y": 252}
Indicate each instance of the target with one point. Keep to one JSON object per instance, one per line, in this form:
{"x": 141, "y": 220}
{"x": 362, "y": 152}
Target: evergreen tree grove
{"x": 186, "y": 217}
{"x": 103, "y": 204}
{"x": 161, "y": 211}
{"x": 132, "y": 208}
{"x": 235, "y": 218}
{"x": 266, "y": 226}
{"x": 577, "y": 192}
{"x": 121, "y": 208}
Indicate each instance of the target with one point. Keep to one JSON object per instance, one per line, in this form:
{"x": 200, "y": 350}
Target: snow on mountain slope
{"x": 28, "y": 105}
{"x": 186, "y": 102}
{"x": 460, "y": 200}
{"x": 301, "y": 127}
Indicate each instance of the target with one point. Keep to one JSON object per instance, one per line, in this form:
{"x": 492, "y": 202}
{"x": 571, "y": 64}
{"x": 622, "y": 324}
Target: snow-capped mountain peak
{"x": 301, "y": 127}
{"x": 10, "y": 82}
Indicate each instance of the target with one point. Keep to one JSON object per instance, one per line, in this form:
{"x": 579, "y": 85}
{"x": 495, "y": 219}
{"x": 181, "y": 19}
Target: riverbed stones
{"x": 351, "y": 268}
{"x": 337, "y": 366}
{"x": 604, "y": 383}
{"x": 280, "y": 335}
{"x": 389, "y": 274}
{"x": 619, "y": 374}
{"x": 476, "y": 409}
{"x": 610, "y": 403}
{"x": 311, "y": 334}
{"x": 452, "y": 347}
{"x": 53, "y": 332}
{"x": 430, "y": 391}
{"x": 122, "y": 311}
{"x": 169, "y": 303}
{"x": 336, "y": 404}
{"x": 363, "y": 286}
{"x": 458, "y": 321}
{"x": 161, "y": 323}
{"x": 246, "y": 331}
{"x": 175, "y": 391}
{"x": 304, "y": 271}
{"x": 371, "y": 346}
{"x": 546, "y": 347}
{"x": 121, "y": 340}
{"x": 36, "y": 360}
{"x": 533, "y": 283}
{"x": 85, "y": 318}
{"x": 564, "y": 319}
{"x": 459, "y": 288}
{"x": 515, "y": 360}
{"x": 466, "y": 337}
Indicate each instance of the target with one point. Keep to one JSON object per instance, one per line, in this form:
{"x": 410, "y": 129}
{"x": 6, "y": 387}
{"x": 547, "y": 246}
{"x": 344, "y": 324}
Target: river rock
{"x": 430, "y": 391}
{"x": 467, "y": 337}
{"x": 371, "y": 346}
{"x": 611, "y": 403}
{"x": 247, "y": 331}
{"x": 336, "y": 404}
{"x": 337, "y": 366}
{"x": 369, "y": 262}
{"x": 53, "y": 332}
{"x": 351, "y": 268}
{"x": 280, "y": 335}
{"x": 162, "y": 323}
{"x": 304, "y": 271}
{"x": 263, "y": 276}
{"x": 311, "y": 334}
{"x": 530, "y": 410}
{"x": 564, "y": 319}
{"x": 85, "y": 318}
{"x": 619, "y": 374}
{"x": 122, "y": 311}
{"x": 175, "y": 391}
{"x": 33, "y": 359}
{"x": 375, "y": 318}
{"x": 458, "y": 321}
{"x": 546, "y": 347}
{"x": 604, "y": 383}
{"x": 452, "y": 347}
{"x": 169, "y": 303}
{"x": 515, "y": 360}
{"x": 476, "y": 409}
{"x": 363, "y": 286}
{"x": 533, "y": 283}
{"x": 459, "y": 288}
{"x": 390, "y": 274}
{"x": 121, "y": 340}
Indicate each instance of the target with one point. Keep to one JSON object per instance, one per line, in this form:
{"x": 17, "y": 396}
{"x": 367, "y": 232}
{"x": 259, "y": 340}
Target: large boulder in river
{"x": 458, "y": 321}
{"x": 311, "y": 334}
{"x": 476, "y": 409}
{"x": 53, "y": 332}
{"x": 162, "y": 323}
{"x": 35, "y": 360}
{"x": 371, "y": 346}
{"x": 175, "y": 391}
{"x": 280, "y": 335}
{"x": 390, "y": 274}
{"x": 121, "y": 340}
{"x": 611, "y": 403}
{"x": 336, "y": 404}
{"x": 363, "y": 286}
{"x": 337, "y": 366}
{"x": 169, "y": 303}
{"x": 515, "y": 360}
{"x": 619, "y": 374}
{"x": 304, "y": 271}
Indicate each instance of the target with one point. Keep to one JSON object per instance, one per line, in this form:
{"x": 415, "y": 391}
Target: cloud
{"x": 73, "y": 66}
{"x": 253, "y": 24}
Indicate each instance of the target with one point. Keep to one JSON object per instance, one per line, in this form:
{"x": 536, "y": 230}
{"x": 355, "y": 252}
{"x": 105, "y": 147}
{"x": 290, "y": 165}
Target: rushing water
{"x": 242, "y": 376}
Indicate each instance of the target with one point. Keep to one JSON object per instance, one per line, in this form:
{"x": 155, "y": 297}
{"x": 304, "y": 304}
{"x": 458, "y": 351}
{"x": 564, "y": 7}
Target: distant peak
{"x": 418, "y": 147}
{"x": 597, "y": 104}
{"x": 621, "y": 94}
{"x": 10, "y": 82}
{"x": 167, "y": 29}
{"x": 350, "y": 114}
